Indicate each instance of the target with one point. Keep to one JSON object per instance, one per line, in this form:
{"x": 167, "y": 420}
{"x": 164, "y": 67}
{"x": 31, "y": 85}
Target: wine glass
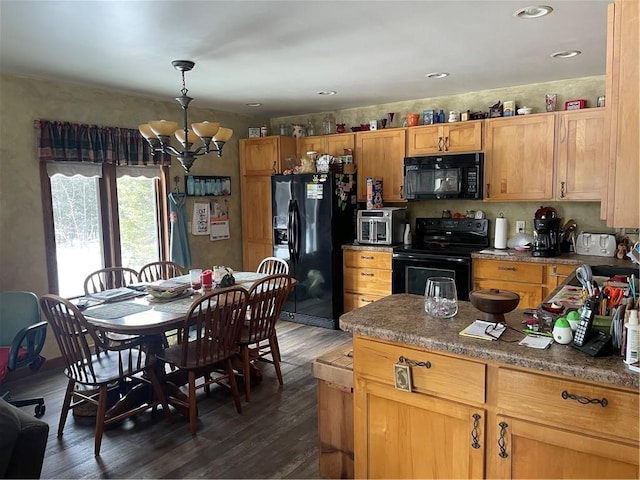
{"x": 390, "y": 115}
{"x": 586, "y": 241}
{"x": 441, "y": 297}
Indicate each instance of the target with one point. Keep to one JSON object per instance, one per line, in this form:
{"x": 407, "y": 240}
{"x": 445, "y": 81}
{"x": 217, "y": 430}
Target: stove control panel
{"x": 443, "y": 225}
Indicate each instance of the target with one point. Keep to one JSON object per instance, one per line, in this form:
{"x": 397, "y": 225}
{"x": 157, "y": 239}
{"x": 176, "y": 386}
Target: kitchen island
{"x": 478, "y": 408}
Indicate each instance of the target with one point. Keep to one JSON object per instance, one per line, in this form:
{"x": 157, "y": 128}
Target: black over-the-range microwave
{"x": 444, "y": 177}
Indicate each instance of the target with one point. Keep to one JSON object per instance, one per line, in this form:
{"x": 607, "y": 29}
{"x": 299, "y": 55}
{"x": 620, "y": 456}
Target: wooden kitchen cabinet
{"x": 444, "y": 138}
{"x": 556, "y": 274}
{"x": 578, "y": 157}
{"x": 620, "y": 206}
{"x": 259, "y": 159}
{"x": 367, "y": 277}
{"x": 422, "y": 433}
{"x": 519, "y": 158}
{"x": 330, "y": 144}
{"x": 380, "y": 154}
{"x": 334, "y": 371}
{"x": 469, "y": 418}
{"x": 532, "y": 281}
{"x": 524, "y": 278}
{"x": 543, "y": 417}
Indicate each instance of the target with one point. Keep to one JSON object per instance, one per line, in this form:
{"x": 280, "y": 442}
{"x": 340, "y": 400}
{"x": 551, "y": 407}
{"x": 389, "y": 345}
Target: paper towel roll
{"x": 500, "y": 237}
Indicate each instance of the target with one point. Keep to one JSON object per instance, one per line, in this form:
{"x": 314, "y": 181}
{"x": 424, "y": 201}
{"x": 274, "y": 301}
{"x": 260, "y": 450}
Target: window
{"x": 101, "y": 216}
{"x": 138, "y": 218}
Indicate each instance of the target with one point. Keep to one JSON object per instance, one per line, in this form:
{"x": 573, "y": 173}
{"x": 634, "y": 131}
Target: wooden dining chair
{"x": 209, "y": 339}
{"x": 108, "y": 278}
{"x": 162, "y": 270}
{"x": 258, "y": 338}
{"x": 91, "y": 362}
{"x": 273, "y": 265}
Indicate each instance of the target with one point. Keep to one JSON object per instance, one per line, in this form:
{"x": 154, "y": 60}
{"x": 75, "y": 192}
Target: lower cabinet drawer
{"x": 369, "y": 280}
{"x": 367, "y": 259}
{"x": 509, "y": 271}
{"x": 357, "y": 300}
{"x": 569, "y": 404}
{"x": 443, "y": 376}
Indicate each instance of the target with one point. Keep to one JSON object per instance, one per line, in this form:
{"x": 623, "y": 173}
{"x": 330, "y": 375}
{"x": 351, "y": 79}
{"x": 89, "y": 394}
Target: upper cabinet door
{"x": 464, "y": 137}
{"x": 620, "y": 206}
{"x": 336, "y": 144}
{"x": 519, "y": 158}
{"x": 444, "y": 138}
{"x": 579, "y": 165}
{"x": 380, "y": 154}
{"x": 265, "y": 155}
{"x": 310, "y": 144}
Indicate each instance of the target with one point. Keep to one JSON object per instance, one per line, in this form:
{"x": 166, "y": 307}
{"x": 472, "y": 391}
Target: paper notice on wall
{"x": 219, "y": 220}
{"x": 200, "y": 223}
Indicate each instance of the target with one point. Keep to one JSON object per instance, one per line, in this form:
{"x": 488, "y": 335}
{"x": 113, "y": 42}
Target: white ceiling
{"x": 280, "y": 53}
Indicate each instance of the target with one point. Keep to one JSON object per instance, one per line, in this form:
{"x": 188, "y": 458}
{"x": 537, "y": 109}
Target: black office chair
{"x": 22, "y": 336}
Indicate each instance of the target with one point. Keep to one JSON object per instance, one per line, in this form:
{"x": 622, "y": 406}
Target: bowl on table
{"x": 494, "y": 303}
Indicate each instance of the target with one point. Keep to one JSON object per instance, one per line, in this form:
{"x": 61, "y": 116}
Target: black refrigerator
{"x": 313, "y": 215}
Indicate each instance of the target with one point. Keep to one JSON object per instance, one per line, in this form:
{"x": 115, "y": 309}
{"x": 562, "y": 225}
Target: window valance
{"x": 71, "y": 142}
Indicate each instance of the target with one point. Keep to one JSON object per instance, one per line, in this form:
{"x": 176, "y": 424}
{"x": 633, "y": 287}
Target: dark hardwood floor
{"x": 275, "y": 436}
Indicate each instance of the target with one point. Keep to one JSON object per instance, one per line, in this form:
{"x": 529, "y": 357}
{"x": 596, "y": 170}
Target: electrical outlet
{"x": 520, "y": 226}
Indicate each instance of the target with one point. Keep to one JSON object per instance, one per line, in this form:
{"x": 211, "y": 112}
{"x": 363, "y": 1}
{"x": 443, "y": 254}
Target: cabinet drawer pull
{"x": 487, "y": 195}
{"x": 474, "y": 431}
{"x": 365, "y": 274}
{"x": 366, "y": 300}
{"x": 513, "y": 269}
{"x": 562, "y": 189}
{"x": 366, "y": 257}
{"x": 501, "y": 441}
{"x": 584, "y": 400}
{"x": 413, "y": 363}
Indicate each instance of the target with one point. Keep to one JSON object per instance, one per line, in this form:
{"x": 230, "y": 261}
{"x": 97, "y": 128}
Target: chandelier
{"x": 158, "y": 132}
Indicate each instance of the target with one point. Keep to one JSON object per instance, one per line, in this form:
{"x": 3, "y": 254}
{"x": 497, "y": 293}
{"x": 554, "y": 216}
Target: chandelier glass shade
{"x": 211, "y": 134}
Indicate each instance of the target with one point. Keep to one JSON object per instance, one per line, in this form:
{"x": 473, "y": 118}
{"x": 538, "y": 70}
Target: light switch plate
{"x": 520, "y": 226}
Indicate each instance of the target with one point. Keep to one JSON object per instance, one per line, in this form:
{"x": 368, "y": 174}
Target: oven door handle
{"x": 411, "y": 256}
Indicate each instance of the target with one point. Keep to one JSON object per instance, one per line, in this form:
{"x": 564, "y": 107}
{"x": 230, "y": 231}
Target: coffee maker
{"x": 546, "y": 237}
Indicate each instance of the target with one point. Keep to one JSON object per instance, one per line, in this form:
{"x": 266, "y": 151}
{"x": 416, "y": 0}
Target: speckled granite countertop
{"x": 565, "y": 258}
{"x": 400, "y": 318}
{"x": 371, "y": 248}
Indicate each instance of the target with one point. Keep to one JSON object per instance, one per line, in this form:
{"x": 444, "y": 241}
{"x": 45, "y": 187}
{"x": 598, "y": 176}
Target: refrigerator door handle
{"x": 290, "y": 230}
{"x": 296, "y": 231}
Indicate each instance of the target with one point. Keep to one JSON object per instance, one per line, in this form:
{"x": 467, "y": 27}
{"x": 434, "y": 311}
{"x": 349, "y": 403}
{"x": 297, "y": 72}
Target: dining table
{"x": 152, "y": 317}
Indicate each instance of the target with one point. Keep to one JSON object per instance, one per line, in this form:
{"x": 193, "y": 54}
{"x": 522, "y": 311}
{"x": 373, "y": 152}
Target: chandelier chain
{"x": 184, "y": 86}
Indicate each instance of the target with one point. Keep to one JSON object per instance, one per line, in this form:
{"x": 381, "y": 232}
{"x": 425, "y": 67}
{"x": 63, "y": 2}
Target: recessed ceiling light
{"x": 437, "y": 75}
{"x": 566, "y": 54}
{"x": 255, "y": 104}
{"x": 327, "y": 92}
{"x": 533, "y": 11}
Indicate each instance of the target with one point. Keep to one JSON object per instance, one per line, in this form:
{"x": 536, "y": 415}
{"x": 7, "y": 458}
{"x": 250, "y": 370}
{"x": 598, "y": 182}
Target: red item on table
{"x": 207, "y": 278}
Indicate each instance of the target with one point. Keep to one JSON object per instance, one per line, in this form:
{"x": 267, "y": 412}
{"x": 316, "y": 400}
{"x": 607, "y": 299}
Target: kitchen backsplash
{"x": 586, "y": 214}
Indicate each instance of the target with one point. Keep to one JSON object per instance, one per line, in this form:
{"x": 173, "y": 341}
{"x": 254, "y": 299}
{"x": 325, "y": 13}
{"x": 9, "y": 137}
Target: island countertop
{"x": 401, "y": 318}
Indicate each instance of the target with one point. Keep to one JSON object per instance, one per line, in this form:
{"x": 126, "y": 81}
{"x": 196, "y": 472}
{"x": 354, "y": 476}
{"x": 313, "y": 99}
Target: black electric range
{"x": 441, "y": 247}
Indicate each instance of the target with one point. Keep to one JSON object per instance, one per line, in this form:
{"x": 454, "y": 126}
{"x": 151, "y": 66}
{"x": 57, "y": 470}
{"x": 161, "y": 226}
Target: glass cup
{"x": 550, "y": 101}
{"x": 196, "y": 278}
{"x": 441, "y": 297}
